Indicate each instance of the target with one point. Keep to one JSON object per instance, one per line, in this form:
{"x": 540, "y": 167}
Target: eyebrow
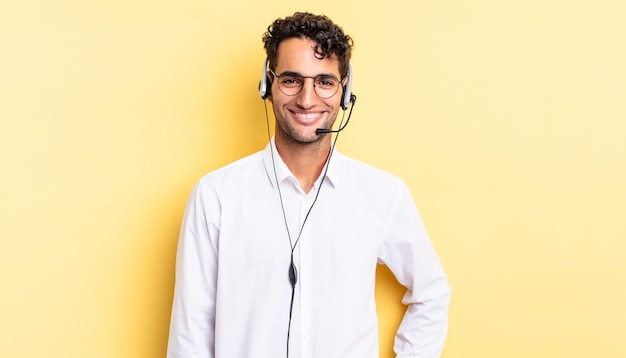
{"x": 291, "y": 73}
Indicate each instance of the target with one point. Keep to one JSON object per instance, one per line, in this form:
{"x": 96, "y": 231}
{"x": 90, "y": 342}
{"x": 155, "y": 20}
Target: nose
{"x": 306, "y": 97}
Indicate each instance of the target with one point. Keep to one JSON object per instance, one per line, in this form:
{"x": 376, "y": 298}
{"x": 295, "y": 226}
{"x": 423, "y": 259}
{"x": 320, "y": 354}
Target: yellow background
{"x": 507, "y": 119}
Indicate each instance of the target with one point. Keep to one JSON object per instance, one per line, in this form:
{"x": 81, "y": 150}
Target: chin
{"x": 305, "y": 139}
{"x": 302, "y": 136}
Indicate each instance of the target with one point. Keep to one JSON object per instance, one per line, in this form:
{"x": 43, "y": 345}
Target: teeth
{"x": 308, "y": 115}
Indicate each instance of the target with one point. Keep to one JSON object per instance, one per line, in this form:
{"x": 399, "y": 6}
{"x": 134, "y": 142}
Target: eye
{"x": 326, "y": 81}
{"x": 291, "y": 81}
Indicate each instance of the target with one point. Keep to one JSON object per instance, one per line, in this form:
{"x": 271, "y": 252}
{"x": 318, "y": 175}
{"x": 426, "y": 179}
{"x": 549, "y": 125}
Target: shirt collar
{"x": 283, "y": 173}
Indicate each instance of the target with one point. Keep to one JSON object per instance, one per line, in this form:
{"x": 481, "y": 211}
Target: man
{"x": 278, "y": 251}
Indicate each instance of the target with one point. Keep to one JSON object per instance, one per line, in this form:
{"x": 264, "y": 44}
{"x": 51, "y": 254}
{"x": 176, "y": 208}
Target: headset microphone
{"x": 326, "y": 131}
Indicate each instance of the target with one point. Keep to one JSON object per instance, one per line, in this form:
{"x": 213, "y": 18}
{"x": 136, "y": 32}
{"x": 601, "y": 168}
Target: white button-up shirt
{"x": 232, "y": 295}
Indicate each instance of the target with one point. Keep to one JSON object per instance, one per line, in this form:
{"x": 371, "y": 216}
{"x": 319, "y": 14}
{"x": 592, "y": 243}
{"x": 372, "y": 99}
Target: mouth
{"x": 307, "y": 118}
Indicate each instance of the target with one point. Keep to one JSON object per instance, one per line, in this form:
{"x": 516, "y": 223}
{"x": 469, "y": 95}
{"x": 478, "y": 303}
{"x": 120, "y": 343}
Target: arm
{"x": 409, "y": 254}
{"x": 192, "y": 327}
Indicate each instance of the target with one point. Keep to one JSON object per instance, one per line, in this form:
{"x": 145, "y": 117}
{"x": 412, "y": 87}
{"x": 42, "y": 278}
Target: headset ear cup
{"x": 345, "y": 99}
{"x": 268, "y": 85}
{"x": 264, "y": 84}
{"x": 262, "y": 90}
{"x": 265, "y": 89}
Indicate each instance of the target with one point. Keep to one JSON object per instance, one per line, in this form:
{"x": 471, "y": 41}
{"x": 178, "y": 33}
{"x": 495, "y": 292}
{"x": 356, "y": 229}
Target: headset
{"x": 346, "y": 99}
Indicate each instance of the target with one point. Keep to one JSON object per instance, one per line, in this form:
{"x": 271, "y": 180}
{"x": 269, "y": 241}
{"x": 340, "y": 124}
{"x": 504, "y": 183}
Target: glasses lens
{"x": 326, "y": 86}
{"x": 290, "y": 84}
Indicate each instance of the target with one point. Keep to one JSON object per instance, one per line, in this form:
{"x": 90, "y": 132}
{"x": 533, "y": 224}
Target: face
{"x": 299, "y": 116}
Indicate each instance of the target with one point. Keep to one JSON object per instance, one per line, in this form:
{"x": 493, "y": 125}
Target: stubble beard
{"x": 300, "y": 137}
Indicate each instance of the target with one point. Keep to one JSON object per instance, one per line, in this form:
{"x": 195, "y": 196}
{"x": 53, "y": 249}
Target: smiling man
{"x": 278, "y": 251}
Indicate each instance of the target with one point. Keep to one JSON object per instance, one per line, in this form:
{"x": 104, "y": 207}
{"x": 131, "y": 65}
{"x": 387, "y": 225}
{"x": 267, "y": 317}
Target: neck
{"x": 304, "y": 160}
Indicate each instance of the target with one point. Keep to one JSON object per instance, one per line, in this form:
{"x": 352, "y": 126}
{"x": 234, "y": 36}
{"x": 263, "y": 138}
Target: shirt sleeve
{"x": 409, "y": 254}
{"x": 192, "y": 326}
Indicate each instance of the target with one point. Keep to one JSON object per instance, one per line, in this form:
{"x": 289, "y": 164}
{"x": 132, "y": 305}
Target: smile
{"x": 307, "y": 117}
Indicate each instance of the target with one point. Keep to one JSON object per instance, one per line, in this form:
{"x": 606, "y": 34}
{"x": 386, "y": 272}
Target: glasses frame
{"x": 314, "y": 78}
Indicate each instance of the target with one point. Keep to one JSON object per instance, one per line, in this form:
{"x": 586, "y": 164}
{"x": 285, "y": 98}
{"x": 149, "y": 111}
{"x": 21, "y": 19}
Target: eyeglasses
{"x": 290, "y": 84}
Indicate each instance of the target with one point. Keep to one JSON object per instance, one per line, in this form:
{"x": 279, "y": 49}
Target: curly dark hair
{"x": 330, "y": 38}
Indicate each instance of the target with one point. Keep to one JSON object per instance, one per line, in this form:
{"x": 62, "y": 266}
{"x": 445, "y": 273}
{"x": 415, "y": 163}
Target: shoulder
{"x": 356, "y": 171}
{"x": 364, "y": 182}
{"x": 232, "y": 175}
